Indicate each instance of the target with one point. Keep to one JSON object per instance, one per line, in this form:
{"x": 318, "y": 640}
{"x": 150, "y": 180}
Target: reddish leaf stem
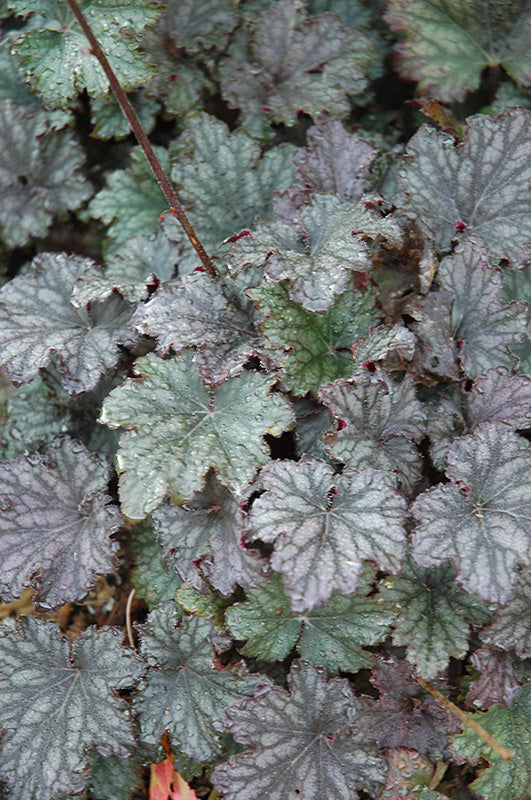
{"x": 142, "y": 139}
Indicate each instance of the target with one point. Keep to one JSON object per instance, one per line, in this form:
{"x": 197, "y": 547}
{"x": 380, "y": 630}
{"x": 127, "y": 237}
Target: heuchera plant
{"x": 265, "y": 488}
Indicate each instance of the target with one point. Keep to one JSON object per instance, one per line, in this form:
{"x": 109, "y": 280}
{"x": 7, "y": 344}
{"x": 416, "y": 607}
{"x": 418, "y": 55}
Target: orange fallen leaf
{"x": 166, "y": 784}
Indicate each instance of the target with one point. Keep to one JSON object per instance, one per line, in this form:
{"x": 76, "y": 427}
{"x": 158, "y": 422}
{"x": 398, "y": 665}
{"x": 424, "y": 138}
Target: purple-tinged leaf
{"x": 330, "y": 636}
{"x": 40, "y": 173}
{"x": 184, "y": 692}
{"x": 482, "y": 326}
{"x": 418, "y": 721}
{"x": 380, "y": 422}
{"x": 394, "y": 342}
{"x": 325, "y": 526}
{"x": 317, "y": 255}
{"x": 178, "y": 428}
{"x": 55, "y": 522}
{"x": 409, "y": 776}
{"x": 500, "y": 396}
{"x": 205, "y": 537}
{"x": 40, "y": 325}
{"x": 502, "y": 780}
{"x": 447, "y": 43}
{"x": 194, "y": 310}
{"x": 482, "y": 186}
{"x": 434, "y": 616}
{"x": 498, "y": 683}
{"x": 335, "y": 161}
{"x": 314, "y": 349}
{"x": 479, "y": 521}
{"x": 59, "y": 703}
{"x": 435, "y": 352}
{"x": 305, "y": 744}
{"x": 296, "y": 64}
{"x": 511, "y": 629}
{"x": 312, "y": 423}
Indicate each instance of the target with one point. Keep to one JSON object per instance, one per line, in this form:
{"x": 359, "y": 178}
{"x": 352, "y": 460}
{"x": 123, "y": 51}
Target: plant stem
{"x": 142, "y": 139}
{"x": 463, "y": 717}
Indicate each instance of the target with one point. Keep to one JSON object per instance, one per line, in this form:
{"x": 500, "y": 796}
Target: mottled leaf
{"x": 511, "y": 727}
{"x": 113, "y": 777}
{"x": 305, "y": 744}
{"x": 295, "y": 64}
{"x": 56, "y": 56}
{"x": 482, "y": 326}
{"x": 381, "y": 343}
{"x": 33, "y": 416}
{"x": 226, "y": 179}
{"x": 330, "y": 636}
{"x": 196, "y": 310}
{"x": 205, "y": 537}
{"x": 55, "y": 522}
{"x": 312, "y": 422}
{"x": 324, "y": 526}
{"x": 511, "y": 628}
{"x": 184, "y": 692}
{"x": 478, "y": 521}
{"x": 314, "y": 349}
{"x": 433, "y": 616}
{"x": 480, "y": 186}
{"x": 497, "y": 395}
{"x": 153, "y": 577}
{"x": 418, "y": 721}
{"x": 40, "y": 173}
{"x": 40, "y": 325}
{"x": 58, "y": 702}
{"x": 335, "y": 161}
{"x": 108, "y": 119}
{"x": 178, "y": 428}
{"x": 498, "y": 683}
{"x": 380, "y": 421}
{"x": 409, "y": 775}
{"x": 447, "y": 43}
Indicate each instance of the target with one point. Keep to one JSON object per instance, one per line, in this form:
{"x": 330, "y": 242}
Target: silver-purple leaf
{"x": 380, "y": 422}
{"x": 335, "y": 161}
{"x": 194, "y": 310}
{"x": 324, "y": 527}
{"x": 40, "y": 325}
{"x": 294, "y": 64}
{"x": 185, "y": 692}
{"x": 55, "y": 522}
{"x": 479, "y": 521}
{"x": 205, "y": 537}
{"x": 305, "y": 743}
{"x": 59, "y": 703}
{"x": 482, "y": 326}
{"x": 498, "y": 683}
{"x": 511, "y": 628}
{"x": 481, "y": 186}
{"x": 497, "y": 395}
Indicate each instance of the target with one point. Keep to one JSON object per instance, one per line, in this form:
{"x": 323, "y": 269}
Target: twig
{"x": 128, "y": 626}
{"x": 142, "y": 139}
{"x": 502, "y": 751}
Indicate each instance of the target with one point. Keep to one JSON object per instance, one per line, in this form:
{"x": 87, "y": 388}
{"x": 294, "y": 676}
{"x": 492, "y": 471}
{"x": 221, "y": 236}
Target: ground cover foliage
{"x": 313, "y": 467}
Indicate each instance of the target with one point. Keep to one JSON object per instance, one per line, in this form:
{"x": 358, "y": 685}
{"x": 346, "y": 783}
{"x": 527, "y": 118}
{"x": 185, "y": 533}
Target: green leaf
{"x": 57, "y": 58}
{"x": 109, "y": 121}
{"x": 178, "y": 428}
{"x": 447, "y": 43}
{"x": 33, "y": 416}
{"x": 132, "y": 201}
{"x": 434, "y": 616}
{"x": 294, "y": 64}
{"x": 57, "y": 702}
{"x": 303, "y": 743}
{"x": 184, "y": 692}
{"x": 330, "y": 636}
{"x": 510, "y": 727}
{"x": 314, "y": 349}
{"x": 324, "y": 526}
{"x": 154, "y": 579}
{"x": 480, "y": 185}
{"x": 40, "y": 173}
